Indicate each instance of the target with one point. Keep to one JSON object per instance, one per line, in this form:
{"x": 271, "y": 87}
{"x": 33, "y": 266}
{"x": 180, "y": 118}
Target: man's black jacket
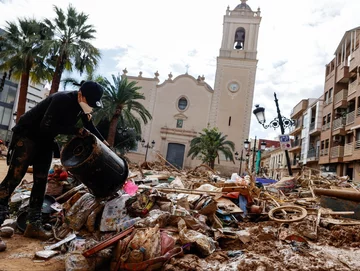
{"x": 57, "y": 114}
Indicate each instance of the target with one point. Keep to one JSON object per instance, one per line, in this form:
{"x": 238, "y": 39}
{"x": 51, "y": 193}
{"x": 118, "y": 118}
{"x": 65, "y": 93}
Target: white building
{"x": 310, "y": 133}
{"x": 36, "y": 93}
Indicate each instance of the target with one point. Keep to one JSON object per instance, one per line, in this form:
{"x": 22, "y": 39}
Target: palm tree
{"x": 91, "y": 76}
{"x": 120, "y": 103}
{"x": 209, "y": 144}
{"x": 70, "y": 48}
{"x": 21, "y": 48}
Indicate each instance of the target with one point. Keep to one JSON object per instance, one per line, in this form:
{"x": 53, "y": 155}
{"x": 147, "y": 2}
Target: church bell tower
{"x": 235, "y": 74}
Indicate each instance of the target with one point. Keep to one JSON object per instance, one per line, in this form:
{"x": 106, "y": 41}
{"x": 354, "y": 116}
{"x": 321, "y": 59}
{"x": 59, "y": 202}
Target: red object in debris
{"x": 108, "y": 242}
{"x": 296, "y": 238}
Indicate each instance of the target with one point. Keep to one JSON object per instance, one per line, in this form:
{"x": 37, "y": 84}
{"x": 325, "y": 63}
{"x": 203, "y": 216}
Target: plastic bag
{"x": 155, "y": 217}
{"x": 78, "y": 214}
{"x": 75, "y": 261}
{"x": 114, "y": 213}
{"x": 204, "y": 244}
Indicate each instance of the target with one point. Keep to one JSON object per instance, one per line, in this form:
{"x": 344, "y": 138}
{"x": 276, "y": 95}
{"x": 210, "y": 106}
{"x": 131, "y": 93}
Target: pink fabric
{"x": 130, "y": 188}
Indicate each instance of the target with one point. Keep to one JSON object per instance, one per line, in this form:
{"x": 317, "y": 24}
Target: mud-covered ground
{"x": 336, "y": 248}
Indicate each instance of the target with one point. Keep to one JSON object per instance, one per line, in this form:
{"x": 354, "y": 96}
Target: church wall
{"x": 166, "y": 113}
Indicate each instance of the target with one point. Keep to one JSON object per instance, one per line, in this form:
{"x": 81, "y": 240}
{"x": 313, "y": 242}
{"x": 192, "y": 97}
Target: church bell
{"x": 238, "y": 45}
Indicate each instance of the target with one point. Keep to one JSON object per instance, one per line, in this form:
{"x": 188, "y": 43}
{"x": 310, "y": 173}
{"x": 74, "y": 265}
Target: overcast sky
{"x": 296, "y": 40}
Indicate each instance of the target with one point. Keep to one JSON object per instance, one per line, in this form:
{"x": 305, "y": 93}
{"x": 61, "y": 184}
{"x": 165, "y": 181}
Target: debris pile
{"x": 167, "y": 219}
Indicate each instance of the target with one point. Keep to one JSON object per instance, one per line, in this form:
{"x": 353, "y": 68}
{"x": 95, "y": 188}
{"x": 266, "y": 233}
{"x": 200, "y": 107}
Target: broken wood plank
{"x": 348, "y": 195}
{"x": 166, "y": 161}
{"x": 108, "y": 242}
{"x": 228, "y": 206}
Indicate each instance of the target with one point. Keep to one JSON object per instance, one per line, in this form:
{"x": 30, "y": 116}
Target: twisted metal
{"x": 275, "y": 123}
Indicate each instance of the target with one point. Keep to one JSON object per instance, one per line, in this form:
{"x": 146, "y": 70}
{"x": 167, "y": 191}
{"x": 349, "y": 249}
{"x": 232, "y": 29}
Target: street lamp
{"x": 254, "y": 150}
{"x": 147, "y": 146}
{"x": 279, "y": 121}
{"x": 241, "y": 159}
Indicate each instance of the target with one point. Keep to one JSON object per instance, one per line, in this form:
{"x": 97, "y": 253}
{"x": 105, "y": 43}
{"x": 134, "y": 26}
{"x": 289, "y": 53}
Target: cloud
{"x": 296, "y": 41}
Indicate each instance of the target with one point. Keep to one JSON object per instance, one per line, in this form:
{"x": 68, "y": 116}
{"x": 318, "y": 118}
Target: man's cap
{"x": 93, "y": 92}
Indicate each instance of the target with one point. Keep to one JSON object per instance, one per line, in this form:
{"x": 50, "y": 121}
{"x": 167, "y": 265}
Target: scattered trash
{"x": 6, "y": 232}
{"x": 46, "y": 254}
{"x": 170, "y": 219}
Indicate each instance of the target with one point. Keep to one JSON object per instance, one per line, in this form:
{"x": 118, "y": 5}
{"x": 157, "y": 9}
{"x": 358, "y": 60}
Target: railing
{"x": 338, "y": 123}
{"x": 357, "y": 144}
{"x": 358, "y": 111}
{"x": 312, "y": 154}
{"x": 324, "y": 152}
{"x": 350, "y": 117}
{"x": 352, "y": 87}
{"x": 296, "y": 143}
{"x": 341, "y": 95}
{"x": 337, "y": 151}
{"x": 348, "y": 149}
{"x": 312, "y": 126}
{"x": 326, "y": 126}
{"x": 302, "y": 105}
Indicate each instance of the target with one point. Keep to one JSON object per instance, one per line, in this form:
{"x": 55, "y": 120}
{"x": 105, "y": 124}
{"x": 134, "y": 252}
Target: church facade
{"x": 181, "y": 107}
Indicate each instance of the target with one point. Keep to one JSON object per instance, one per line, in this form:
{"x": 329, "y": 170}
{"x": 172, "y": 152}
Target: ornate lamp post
{"x": 279, "y": 121}
{"x": 254, "y": 150}
{"x": 147, "y": 146}
{"x": 241, "y": 159}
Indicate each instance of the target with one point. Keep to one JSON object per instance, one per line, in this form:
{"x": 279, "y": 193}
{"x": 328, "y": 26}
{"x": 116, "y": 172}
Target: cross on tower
{"x": 187, "y": 68}
{"x": 243, "y": 1}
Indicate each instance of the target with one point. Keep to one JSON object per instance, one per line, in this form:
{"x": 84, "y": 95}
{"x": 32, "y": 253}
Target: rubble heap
{"x": 167, "y": 219}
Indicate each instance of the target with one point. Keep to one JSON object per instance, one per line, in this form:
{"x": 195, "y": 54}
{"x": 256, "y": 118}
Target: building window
{"x": 179, "y": 123}
{"x": 182, "y": 103}
{"x": 357, "y": 145}
{"x": 6, "y": 117}
{"x": 330, "y": 93}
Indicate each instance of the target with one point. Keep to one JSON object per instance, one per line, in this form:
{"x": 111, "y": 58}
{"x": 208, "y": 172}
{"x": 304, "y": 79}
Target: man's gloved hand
{"x": 83, "y": 132}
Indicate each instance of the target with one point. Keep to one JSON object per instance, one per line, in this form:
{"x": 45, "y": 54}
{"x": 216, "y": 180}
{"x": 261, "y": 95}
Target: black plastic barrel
{"x": 95, "y": 165}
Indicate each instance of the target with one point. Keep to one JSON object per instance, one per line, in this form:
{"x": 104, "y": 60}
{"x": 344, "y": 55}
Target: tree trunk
{"x": 24, "y": 83}
{"x": 112, "y": 130}
{"x": 212, "y": 164}
{"x": 55, "y": 84}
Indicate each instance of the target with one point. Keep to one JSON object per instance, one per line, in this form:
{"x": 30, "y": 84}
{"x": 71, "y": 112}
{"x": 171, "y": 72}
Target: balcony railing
{"x": 324, "y": 152}
{"x": 325, "y": 126}
{"x": 348, "y": 150}
{"x": 350, "y": 117}
{"x": 337, "y": 151}
{"x": 312, "y": 126}
{"x": 312, "y": 154}
{"x": 296, "y": 143}
{"x": 339, "y": 123}
{"x": 357, "y": 144}
{"x": 341, "y": 95}
{"x": 358, "y": 111}
{"x": 352, "y": 87}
